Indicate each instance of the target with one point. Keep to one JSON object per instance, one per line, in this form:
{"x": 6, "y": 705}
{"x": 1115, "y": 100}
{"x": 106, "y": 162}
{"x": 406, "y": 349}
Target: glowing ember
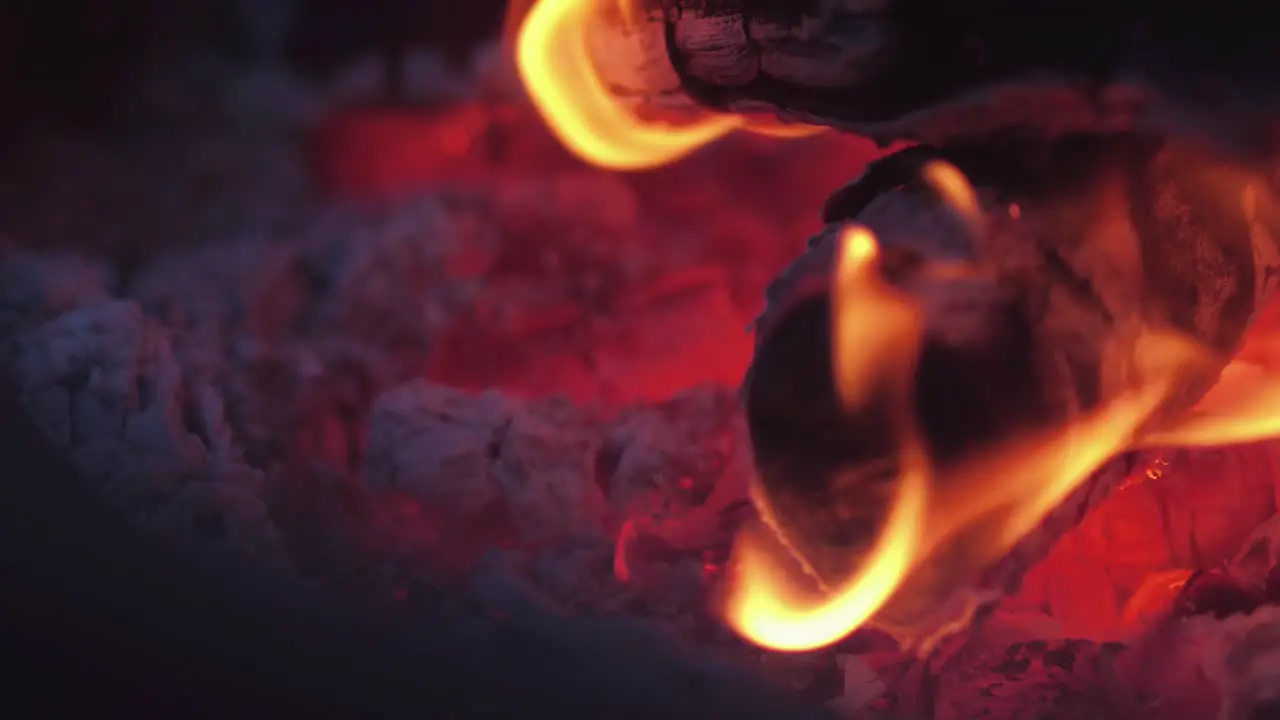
{"x": 1155, "y": 594}
{"x": 621, "y": 548}
{"x": 551, "y": 55}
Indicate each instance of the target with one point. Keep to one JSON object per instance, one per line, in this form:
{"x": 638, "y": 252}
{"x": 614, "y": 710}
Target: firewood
{"x": 934, "y": 72}
{"x": 1088, "y": 246}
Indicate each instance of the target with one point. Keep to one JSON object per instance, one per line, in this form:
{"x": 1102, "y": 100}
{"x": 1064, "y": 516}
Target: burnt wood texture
{"x": 932, "y": 71}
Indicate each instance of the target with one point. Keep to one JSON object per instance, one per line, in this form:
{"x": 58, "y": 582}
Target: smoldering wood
{"x": 1113, "y": 237}
{"x": 932, "y": 71}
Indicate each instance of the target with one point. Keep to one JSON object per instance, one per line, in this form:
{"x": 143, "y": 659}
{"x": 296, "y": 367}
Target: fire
{"x": 874, "y": 339}
{"x": 1002, "y": 494}
{"x": 884, "y": 328}
{"x": 875, "y": 336}
{"x": 554, "y": 65}
{"x": 955, "y": 190}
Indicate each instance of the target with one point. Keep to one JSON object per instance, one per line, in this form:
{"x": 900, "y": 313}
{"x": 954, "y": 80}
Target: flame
{"x": 761, "y": 605}
{"x": 555, "y": 67}
{"x": 1005, "y": 492}
{"x": 884, "y": 325}
{"x": 1240, "y": 408}
{"x": 875, "y": 337}
{"x": 956, "y": 191}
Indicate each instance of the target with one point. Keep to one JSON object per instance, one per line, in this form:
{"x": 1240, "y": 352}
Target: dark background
{"x": 63, "y": 62}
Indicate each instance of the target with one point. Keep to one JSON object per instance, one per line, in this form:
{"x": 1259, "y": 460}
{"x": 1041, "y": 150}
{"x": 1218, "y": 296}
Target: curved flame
{"x": 875, "y": 340}
{"x": 871, "y": 324}
{"x": 1009, "y": 490}
{"x": 762, "y": 607}
{"x": 556, "y": 69}
{"x": 954, "y": 189}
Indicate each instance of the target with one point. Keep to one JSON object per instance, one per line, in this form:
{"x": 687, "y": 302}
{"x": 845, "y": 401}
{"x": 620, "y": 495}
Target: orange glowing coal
{"x": 554, "y": 65}
{"x": 998, "y": 497}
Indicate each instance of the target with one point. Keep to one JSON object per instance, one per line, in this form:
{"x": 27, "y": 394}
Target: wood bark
{"x": 932, "y": 71}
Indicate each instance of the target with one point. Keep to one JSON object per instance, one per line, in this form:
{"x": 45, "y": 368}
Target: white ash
{"x": 381, "y": 274}
{"x": 437, "y": 444}
{"x": 649, "y": 450}
{"x": 102, "y": 383}
{"x": 183, "y": 399}
{"x": 463, "y": 453}
{"x": 544, "y": 473}
{"x": 335, "y": 310}
{"x": 565, "y": 475}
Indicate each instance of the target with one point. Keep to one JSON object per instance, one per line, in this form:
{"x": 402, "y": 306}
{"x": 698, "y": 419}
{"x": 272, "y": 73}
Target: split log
{"x": 934, "y": 71}
{"x": 1088, "y": 247}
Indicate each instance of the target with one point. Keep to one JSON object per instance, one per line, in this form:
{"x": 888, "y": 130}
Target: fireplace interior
{"x": 334, "y": 383}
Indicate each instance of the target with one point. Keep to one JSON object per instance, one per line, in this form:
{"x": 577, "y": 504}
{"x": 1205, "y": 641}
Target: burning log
{"x": 1087, "y": 252}
{"x": 933, "y": 72}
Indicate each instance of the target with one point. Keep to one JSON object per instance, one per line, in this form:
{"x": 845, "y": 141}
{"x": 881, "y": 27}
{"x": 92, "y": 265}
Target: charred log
{"x": 936, "y": 71}
{"x": 1090, "y": 245}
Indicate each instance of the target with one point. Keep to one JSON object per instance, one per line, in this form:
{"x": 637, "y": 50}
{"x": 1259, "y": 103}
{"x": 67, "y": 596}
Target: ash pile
{"x": 476, "y": 403}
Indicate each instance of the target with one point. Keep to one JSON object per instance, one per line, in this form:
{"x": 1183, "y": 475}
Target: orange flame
{"x": 760, "y": 605}
{"x": 1007, "y": 491}
{"x": 955, "y": 190}
{"x": 556, "y": 69}
{"x": 876, "y": 334}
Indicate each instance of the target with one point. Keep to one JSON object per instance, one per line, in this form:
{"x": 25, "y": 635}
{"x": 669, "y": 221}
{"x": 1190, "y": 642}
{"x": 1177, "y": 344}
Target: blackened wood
{"x": 934, "y": 71}
{"x": 1114, "y": 237}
